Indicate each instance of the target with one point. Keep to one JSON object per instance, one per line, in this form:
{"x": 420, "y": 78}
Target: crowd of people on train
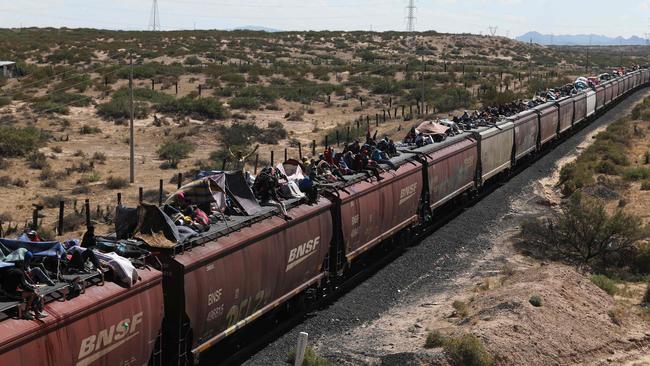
{"x": 32, "y": 268}
{"x": 490, "y": 115}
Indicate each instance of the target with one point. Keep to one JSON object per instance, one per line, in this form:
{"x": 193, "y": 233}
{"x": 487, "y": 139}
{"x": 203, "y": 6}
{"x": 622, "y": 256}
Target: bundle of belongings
{"x": 31, "y": 268}
{"x": 190, "y": 211}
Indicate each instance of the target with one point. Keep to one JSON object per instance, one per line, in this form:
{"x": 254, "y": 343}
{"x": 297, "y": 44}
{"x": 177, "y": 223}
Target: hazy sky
{"x": 612, "y": 18}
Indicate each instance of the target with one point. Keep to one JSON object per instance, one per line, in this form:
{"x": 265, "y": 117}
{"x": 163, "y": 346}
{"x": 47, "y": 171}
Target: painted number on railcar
{"x": 245, "y": 308}
{"x": 214, "y": 298}
{"x": 355, "y": 226}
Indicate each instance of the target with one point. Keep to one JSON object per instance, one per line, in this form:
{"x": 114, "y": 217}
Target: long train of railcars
{"x": 213, "y": 286}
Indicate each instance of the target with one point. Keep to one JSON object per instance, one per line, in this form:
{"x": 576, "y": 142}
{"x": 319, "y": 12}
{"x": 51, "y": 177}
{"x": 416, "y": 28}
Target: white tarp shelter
{"x": 7, "y": 68}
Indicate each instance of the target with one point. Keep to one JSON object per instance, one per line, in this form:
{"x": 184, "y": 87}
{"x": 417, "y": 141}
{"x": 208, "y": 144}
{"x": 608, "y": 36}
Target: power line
{"x": 154, "y": 17}
{"x": 411, "y": 16}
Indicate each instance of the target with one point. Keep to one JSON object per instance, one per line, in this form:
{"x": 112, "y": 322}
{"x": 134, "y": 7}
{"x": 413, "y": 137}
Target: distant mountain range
{"x": 258, "y": 28}
{"x": 580, "y": 39}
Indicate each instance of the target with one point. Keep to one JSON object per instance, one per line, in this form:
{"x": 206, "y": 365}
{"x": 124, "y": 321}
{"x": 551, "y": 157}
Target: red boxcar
{"x": 526, "y": 133}
{"x": 451, "y": 168}
{"x": 107, "y": 325}
{"x": 565, "y": 107}
{"x": 372, "y": 211}
{"x": 580, "y": 108}
{"x": 616, "y": 88}
{"x": 548, "y": 122}
{"x": 609, "y": 89}
{"x": 219, "y": 287}
{"x": 600, "y": 96}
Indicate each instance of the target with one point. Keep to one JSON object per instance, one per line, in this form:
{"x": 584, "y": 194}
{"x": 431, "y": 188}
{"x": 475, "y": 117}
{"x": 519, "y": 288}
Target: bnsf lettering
{"x": 301, "y": 252}
{"x": 214, "y": 297}
{"x": 407, "y": 192}
{"x": 106, "y": 337}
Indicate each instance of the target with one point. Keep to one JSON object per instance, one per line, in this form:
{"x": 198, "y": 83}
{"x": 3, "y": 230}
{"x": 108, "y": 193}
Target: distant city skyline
{"x": 511, "y": 17}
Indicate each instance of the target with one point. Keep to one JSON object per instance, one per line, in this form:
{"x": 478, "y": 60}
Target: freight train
{"x": 209, "y": 287}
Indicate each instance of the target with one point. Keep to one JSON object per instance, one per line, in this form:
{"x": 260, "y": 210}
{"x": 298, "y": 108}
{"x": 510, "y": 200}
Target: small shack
{"x": 7, "y": 68}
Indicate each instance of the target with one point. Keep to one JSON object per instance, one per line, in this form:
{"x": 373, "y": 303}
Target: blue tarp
{"x": 41, "y": 248}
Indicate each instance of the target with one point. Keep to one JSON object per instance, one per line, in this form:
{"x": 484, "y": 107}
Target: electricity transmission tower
{"x": 154, "y": 17}
{"x": 411, "y": 16}
{"x": 493, "y": 30}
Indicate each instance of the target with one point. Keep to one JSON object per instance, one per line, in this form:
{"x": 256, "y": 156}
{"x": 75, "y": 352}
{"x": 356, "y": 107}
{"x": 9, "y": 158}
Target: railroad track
{"x": 254, "y": 338}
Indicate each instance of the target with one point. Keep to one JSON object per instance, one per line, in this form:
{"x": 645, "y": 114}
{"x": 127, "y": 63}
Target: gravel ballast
{"x": 432, "y": 265}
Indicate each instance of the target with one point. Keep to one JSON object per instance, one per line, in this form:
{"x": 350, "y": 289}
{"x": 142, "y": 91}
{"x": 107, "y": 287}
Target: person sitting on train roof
{"x": 16, "y": 287}
{"x": 354, "y": 147}
{"x": 35, "y": 272}
{"x": 381, "y": 158}
{"x": 265, "y": 189}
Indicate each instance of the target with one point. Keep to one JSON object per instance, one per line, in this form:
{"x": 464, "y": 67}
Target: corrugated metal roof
{"x": 6, "y": 63}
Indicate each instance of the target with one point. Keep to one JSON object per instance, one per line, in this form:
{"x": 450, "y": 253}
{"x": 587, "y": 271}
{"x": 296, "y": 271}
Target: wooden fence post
{"x": 87, "y": 208}
{"x": 60, "y": 223}
{"x": 160, "y": 192}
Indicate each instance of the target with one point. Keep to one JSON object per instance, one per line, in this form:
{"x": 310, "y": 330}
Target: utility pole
{"x": 493, "y": 30}
{"x": 131, "y": 129}
{"x": 620, "y": 52}
{"x": 411, "y": 16}
{"x": 424, "y": 69}
{"x": 154, "y": 17}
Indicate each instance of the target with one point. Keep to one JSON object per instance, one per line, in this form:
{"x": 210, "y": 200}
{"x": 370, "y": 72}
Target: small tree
{"x": 174, "y": 151}
{"x": 584, "y": 232}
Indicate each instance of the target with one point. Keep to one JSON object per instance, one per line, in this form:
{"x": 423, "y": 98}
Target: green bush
{"x": 192, "y": 61}
{"x": 248, "y": 103}
{"x": 535, "y": 300}
{"x": 606, "y": 167}
{"x": 175, "y": 150}
{"x": 47, "y": 106}
{"x": 116, "y": 182}
{"x": 239, "y": 133}
{"x": 637, "y": 173}
{"x": 264, "y": 94}
{"x": 435, "y": 339}
{"x": 19, "y": 141}
{"x": 584, "y": 232}
{"x": 462, "y": 310}
{"x": 151, "y": 70}
{"x": 4, "y": 101}
{"x": 605, "y": 283}
{"x": 311, "y": 358}
{"x": 89, "y": 130}
{"x": 467, "y": 350}
{"x": 641, "y": 259}
{"x": 272, "y": 134}
{"x": 204, "y": 107}
{"x": 143, "y": 95}
{"x": 119, "y": 108}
